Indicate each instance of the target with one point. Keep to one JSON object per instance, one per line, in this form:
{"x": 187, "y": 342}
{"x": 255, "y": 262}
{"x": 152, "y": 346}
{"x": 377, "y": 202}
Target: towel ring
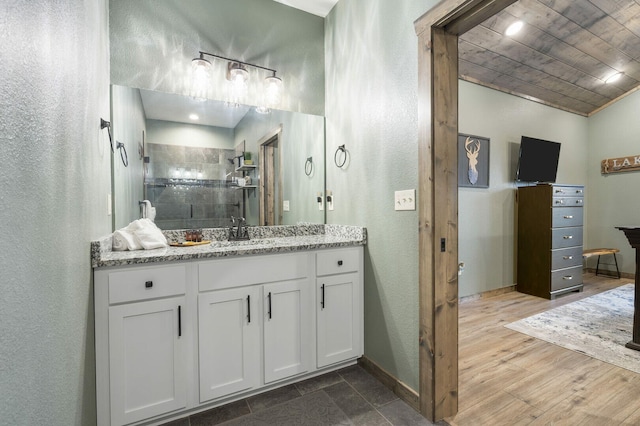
{"x": 335, "y": 156}
{"x": 308, "y": 166}
{"x": 125, "y": 157}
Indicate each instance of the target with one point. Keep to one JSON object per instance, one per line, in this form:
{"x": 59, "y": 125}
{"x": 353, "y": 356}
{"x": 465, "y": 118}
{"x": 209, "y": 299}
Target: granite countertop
{"x": 264, "y": 240}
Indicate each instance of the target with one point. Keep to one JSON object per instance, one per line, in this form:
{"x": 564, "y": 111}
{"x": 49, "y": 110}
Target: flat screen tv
{"x": 538, "y": 161}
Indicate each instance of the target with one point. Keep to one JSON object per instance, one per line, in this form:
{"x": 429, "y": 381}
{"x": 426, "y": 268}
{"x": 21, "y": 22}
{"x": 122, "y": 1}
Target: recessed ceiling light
{"x": 193, "y": 117}
{"x": 613, "y": 77}
{"x": 514, "y": 28}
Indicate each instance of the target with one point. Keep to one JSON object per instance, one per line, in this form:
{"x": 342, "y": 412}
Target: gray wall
{"x": 372, "y": 108}
{"x": 486, "y": 217}
{"x": 612, "y": 200}
{"x": 54, "y": 80}
{"x": 153, "y": 43}
{"x": 302, "y": 137}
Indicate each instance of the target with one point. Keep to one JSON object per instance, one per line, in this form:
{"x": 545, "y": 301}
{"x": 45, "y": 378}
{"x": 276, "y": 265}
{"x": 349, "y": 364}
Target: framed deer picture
{"x": 473, "y": 161}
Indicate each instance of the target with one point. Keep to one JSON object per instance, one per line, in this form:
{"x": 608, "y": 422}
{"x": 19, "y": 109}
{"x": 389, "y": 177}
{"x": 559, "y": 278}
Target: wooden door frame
{"x": 275, "y": 133}
{"x": 438, "y": 32}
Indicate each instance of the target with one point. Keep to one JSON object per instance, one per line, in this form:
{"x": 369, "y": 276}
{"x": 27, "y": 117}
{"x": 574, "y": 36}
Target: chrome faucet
{"x": 241, "y": 231}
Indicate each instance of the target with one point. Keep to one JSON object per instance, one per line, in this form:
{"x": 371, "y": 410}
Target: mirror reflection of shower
{"x": 192, "y": 187}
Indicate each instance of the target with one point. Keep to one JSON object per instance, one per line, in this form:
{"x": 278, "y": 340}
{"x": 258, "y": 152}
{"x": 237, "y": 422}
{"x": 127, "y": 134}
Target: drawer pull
{"x": 567, "y": 257}
{"x": 579, "y": 191}
{"x": 559, "y": 191}
{"x": 269, "y": 311}
{"x": 249, "y": 309}
{"x": 322, "y": 300}
{"x": 148, "y": 284}
{"x": 568, "y": 217}
{"x": 179, "y": 321}
{"x": 568, "y": 277}
{"x": 568, "y": 237}
{"x": 339, "y": 262}
{"x": 559, "y": 201}
{"x": 578, "y": 201}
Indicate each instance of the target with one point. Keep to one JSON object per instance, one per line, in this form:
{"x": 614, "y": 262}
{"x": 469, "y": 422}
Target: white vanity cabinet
{"x": 288, "y": 329}
{"x": 179, "y": 337}
{"x": 280, "y": 328}
{"x": 339, "y": 305}
{"x": 140, "y": 349}
{"x": 229, "y": 341}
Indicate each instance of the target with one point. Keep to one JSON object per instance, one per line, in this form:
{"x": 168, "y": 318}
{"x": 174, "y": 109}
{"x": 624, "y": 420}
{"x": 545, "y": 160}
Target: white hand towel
{"x": 147, "y": 234}
{"x": 125, "y": 240}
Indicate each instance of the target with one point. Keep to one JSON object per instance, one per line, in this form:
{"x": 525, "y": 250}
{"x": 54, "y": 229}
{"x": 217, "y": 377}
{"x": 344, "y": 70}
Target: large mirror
{"x": 199, "y": 162}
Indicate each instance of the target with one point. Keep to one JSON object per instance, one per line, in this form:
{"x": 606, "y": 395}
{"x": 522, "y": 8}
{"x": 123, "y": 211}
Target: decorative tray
{"x": 190, "y": 243}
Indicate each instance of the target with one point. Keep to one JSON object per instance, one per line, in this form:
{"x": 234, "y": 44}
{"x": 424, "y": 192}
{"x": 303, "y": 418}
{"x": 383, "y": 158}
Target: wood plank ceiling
{"x": 562, "y": 55}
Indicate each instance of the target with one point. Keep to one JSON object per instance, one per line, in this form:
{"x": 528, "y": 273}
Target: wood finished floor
{"x": 509, "y": 378}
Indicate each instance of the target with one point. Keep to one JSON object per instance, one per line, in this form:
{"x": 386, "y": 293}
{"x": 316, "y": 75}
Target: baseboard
{"x": 610, "y": 274}
{"x": 403, "y": 391}
{"x": 488, "y": 293}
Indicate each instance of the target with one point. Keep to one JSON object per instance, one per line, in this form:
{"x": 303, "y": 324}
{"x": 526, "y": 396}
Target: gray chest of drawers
{"x": 550, "y": 239}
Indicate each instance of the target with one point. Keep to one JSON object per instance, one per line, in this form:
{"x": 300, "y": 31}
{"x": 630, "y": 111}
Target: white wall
{"x": 486, "y": 241}
{"x": 613, "y": 199}
{"x": 54, "y": 80}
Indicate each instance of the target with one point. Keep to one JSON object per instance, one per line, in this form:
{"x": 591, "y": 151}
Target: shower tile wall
{"x": 191, "y": 187}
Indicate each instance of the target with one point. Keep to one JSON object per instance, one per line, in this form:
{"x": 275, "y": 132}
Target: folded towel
{"x": 139, "y": 234}
{"x": 148, "y": 234}
{"x": 125, "y": 240}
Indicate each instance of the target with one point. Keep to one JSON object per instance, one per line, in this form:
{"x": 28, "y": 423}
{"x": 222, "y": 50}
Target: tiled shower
{"x": 192, "y": 187}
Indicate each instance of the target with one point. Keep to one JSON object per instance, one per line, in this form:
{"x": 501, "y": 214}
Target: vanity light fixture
{"x": 613, "y": 78}
{"x": 238, "y": 77}
{"x": 514, "y": 28}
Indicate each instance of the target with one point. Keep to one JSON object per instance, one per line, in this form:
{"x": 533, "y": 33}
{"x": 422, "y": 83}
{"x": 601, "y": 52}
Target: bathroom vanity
{"x": 182, "y": 330}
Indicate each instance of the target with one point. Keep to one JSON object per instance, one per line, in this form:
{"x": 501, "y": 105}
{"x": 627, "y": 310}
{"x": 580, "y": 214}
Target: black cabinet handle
{"x": 249, "y": 309}
{"x": 148, "y": 284}
{"x": 322, "y": 299}
{"x": 179, "y": 321}
{"x": 339, "y": 262}
{"x": 269, "y": 296}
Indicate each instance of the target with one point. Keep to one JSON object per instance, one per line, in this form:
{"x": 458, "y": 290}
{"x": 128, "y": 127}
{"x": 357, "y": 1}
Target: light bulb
{"x": 273, "y": 91}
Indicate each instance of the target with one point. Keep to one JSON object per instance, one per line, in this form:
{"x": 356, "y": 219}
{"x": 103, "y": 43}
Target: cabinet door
{"x": 229, "y": 337}
{"x": 288, "y": 314}
{"x": 338, "y": 319}
{"x": 147, "y": 359}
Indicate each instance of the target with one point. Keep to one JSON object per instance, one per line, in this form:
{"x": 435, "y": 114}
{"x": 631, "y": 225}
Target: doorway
{"x": 271, "y": 178}
{"x": 438, "y": 32}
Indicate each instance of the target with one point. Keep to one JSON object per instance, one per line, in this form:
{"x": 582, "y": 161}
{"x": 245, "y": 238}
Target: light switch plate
{"x": 285, "y": 205}
{"x": 405, "y": 200}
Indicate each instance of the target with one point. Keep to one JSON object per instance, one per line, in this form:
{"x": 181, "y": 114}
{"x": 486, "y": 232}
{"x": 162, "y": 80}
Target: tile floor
{"x": 350, "y": 396}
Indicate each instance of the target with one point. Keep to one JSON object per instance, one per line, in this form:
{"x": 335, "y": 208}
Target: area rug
{"x": 598, "y": 326}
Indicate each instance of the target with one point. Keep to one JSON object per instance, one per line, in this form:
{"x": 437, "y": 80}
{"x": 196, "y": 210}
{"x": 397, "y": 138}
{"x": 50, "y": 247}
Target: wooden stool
{"x": 599, "y": 252}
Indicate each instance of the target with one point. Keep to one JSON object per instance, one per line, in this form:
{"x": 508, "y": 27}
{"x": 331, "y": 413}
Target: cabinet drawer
{"x": 568, "y": 201}
{"x": 566, "y": 237}
{"x": 568, "y": 191}
{"x": 228, "y": 273}
{"x": 338, "y": 261}
{"x": 146, "y": 283}
{"x": 566, "y": 216}
{"x": 566, "y": 258}
{"x": 566, "y": 278}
